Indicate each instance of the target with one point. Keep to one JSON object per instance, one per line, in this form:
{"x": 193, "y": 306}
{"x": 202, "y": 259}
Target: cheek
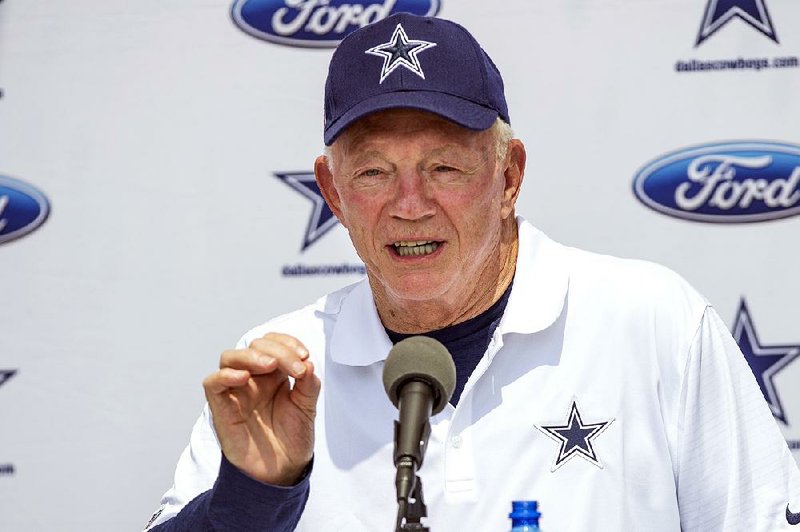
{"x": 358, "y": 206}
{"x": 475, "y": 204}
{"x": 476, "y": 214}
{"x": 361, "y": 215}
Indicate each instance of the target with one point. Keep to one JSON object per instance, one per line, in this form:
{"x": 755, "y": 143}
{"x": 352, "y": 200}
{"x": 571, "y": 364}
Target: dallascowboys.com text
{"x": 753, "y": 63}
{"x": 323, "y": 269}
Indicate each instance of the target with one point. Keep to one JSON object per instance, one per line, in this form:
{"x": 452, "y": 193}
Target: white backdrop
{"x": 158, "y": 131}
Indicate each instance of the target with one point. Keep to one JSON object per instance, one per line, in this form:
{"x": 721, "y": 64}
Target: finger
{"x": 306, "y": 389}
{"x": 221, "y": 381}
{"x": 288, "y": 358}
{"x": 253, "y": 360}
{"x": 289, "y": 341}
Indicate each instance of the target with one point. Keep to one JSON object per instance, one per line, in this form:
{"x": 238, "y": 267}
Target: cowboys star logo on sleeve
{"x": 400, "y": 51}
{"x": 575, "y": 437}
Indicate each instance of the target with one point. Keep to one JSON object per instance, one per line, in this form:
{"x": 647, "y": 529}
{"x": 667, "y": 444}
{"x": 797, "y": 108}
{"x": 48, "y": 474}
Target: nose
{"x": 412, "y": 197}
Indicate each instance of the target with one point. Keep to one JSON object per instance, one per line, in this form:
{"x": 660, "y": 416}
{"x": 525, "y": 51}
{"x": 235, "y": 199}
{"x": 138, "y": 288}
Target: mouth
{"x": 411, "y": 248}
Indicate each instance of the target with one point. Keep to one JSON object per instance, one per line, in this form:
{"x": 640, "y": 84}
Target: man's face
{"x": 424, "y": 201}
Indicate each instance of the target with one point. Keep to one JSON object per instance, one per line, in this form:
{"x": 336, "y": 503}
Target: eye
{"x": 370, "y": 177}
{"x": 443, "y": 168}
{"x": 370, "y": 172}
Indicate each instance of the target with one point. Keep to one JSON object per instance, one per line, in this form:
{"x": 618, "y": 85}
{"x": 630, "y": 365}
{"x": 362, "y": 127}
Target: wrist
{"x": 293, "y": 476}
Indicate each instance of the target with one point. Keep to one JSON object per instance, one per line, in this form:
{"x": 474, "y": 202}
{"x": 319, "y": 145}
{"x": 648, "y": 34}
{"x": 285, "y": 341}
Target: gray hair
{"x": 502, "y": 136}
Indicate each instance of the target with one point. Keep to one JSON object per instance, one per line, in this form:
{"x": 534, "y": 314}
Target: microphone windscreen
{"x": 420, "y": 358}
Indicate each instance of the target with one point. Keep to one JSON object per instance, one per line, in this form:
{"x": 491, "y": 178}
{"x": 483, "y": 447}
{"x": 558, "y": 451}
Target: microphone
{"x": 419, "y": 377}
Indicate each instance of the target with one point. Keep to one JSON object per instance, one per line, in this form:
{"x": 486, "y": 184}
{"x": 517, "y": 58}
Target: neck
{"x": 412, "y": 316}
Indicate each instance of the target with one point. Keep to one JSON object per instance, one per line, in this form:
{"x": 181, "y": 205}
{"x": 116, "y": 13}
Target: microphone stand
{"x": 410, "y": 512}
{"x": 411, "y": 504}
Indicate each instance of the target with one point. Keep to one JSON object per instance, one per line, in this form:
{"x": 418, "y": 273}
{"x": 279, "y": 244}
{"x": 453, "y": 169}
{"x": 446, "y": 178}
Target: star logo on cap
{"x": 765, "y": 360}
{"x": 575, "y": 438}
{"x": 400, "y": 51}
{"x": 720, "y": 12}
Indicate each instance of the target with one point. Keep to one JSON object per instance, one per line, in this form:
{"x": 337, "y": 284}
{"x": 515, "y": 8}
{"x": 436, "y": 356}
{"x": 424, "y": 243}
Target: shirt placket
{"x": 459, "y": 454}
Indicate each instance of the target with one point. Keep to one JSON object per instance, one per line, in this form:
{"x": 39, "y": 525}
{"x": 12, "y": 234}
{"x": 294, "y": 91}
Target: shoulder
{"x": 626, "y": 275}
{"x": 540, "y": 255}
{"x": 632, "y": 282}
{"x": 647, "y": 304}
{"x": 604, "y": 289}
{"x": 638, "y": 295}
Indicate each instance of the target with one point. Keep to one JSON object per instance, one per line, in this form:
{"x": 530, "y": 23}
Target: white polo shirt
{"x": 610, "y": 392}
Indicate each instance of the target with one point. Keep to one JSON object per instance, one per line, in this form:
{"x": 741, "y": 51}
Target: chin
{"x": 418, "y": 289}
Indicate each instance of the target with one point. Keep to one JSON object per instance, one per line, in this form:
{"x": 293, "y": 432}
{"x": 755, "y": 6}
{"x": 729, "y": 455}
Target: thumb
{"x": 306, "y": 389}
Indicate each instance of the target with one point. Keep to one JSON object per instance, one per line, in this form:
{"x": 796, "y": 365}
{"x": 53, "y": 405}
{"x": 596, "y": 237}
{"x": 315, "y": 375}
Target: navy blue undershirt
{"x": 467, "y": 341}
{"x": 238, "y": 502}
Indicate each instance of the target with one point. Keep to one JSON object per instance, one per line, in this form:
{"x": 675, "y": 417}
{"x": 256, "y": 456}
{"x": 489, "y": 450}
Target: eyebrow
{"x": 457, "y": 147}
{"x": 365, "y": 156}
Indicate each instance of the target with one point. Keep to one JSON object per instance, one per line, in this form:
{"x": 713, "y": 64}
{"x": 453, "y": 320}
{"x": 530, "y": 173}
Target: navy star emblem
{"x": 765, "y": 361}
{"x": 575, "y": 438}
{"x": 6, "y": 374}
{"x": 322, "y": 218}
{"x": 720, "y": 12}
{"x": 400, "y": 51}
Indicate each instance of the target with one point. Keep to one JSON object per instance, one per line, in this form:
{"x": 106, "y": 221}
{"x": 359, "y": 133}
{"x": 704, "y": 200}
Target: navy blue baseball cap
{"x": 408, "y": 61}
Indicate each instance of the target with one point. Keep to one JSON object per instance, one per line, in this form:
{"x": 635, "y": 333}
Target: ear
{"x": 513, "y": 173}
{"x": 326, "y": 185}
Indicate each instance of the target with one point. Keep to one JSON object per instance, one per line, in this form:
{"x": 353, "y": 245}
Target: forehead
{"x": 404, "y": 125}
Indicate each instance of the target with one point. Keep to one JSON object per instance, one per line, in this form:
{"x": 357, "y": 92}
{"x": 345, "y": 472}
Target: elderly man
{"x": 607, "y": 389}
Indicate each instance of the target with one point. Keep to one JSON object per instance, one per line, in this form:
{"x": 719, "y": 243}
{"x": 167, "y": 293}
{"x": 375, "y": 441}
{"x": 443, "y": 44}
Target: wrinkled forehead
{"x": 403, "y": 125}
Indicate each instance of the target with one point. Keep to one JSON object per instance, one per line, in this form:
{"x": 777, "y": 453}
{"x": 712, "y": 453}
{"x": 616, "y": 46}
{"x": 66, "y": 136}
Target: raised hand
{"x": 265, "y": 425}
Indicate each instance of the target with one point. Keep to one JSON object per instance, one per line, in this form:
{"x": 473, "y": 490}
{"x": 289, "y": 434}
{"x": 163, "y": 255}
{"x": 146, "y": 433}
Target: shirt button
{"x": 456, "y": 442}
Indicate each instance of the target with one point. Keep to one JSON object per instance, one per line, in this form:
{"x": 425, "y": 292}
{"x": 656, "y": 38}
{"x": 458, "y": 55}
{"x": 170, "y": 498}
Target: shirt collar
{"x": 540, "y": 286}
{"x": 359, "y": 338}
{"x": 536, "y": 301}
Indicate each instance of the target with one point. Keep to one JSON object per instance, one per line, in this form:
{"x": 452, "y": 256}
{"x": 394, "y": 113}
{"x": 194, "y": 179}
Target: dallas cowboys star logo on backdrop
{"x": 576, "y": 437}
{"x": 720, "y": 12}
{"x": 322, "y": 218}
{"x": 765, "y": 361}
{"x": 400, "y": 51}
{"x": 6, "y": 374}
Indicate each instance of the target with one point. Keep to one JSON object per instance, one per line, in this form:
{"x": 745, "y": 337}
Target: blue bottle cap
{"x": 524, "y": 510}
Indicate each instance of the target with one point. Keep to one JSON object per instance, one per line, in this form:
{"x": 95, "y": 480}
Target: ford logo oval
{"x": 22, "y": 209}
{"x": 731, "y": 182}
{"x": 318, "y": 23}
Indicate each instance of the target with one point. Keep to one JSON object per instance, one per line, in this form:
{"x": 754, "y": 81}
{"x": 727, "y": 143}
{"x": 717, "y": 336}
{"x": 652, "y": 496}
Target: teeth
{"x": 407, "y": 248}
{"x": 413, "y": 242}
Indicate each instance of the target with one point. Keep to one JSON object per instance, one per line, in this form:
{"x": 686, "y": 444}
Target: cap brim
{"x": 462, "y": 112}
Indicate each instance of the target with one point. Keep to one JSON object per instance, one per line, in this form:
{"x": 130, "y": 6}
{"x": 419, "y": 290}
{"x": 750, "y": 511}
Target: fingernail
{"x": 298, "y": 368}
{"x": 302, "y": 352}
{"x": 266, "y": 360}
